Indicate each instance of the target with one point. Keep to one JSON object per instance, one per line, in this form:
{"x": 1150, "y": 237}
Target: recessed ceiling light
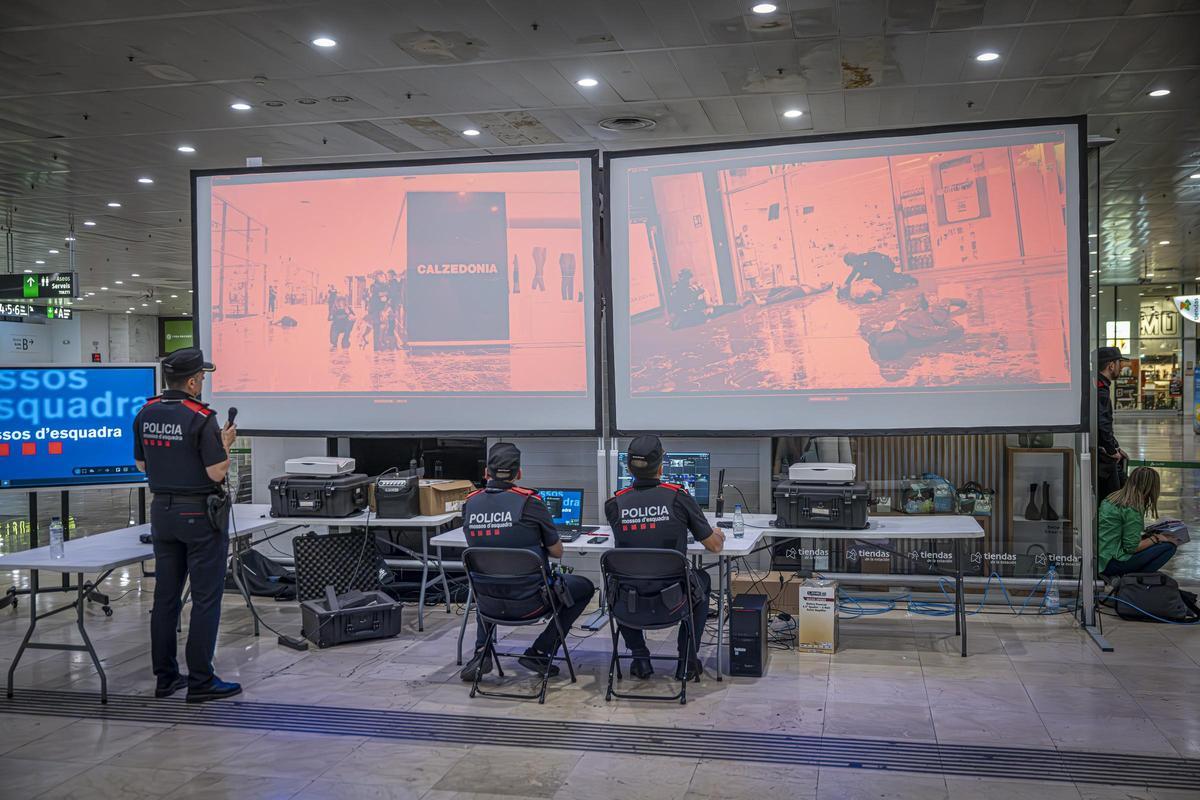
{"x": 113, "y": 204}
{"x": 240, "y": 106}
{"x": 145, "y": 180}
{"x": 70, "y": 237}
{"x": 145, "y": 305}
{"x": 191, "y": 291}
{"x": 28, "y": 272}
{"x": 763, "y": 8}
{"x": 470, "y": 132}
{"x": 792, "y": 113}
{"x": 89, "y": 223}
{"x": 104, "y": 288}
{"x": 53, "y": 252}
{"x": 39, "y": 261}
{"x": 1149, "y": 274}
{"x": 1093, "y": 253}
{"x": 118, "y": 281}
{"x": 987, "y": 55}
{"x": 587, "y": 82}
{"x": 174, "y": 295}
{"x": 186, "y": 148}
{"x": 1160, "y": 92}
{"x": 1093, "y": 235}
{"x": 130, "y": 311}
{"x": 1195, "y": 176}
{"x": 91, "y": 294}
{"x": 1165, "y": 241}
{"x": 134, "y": 275}
{"x": 324, "y": 41}
{"x": 158, "y": 301}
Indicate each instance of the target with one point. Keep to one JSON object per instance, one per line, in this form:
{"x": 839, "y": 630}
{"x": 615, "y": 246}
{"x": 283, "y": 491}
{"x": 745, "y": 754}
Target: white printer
{"x": 321, "y": 466}
{"x": 822, "y": 472}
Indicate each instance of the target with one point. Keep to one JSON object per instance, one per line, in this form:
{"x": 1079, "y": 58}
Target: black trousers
{"x": 635, "y": 639}
{"x": 547, "y": 642}
{"x": 185, "y": 546}
{"x": 1108, "y": 474}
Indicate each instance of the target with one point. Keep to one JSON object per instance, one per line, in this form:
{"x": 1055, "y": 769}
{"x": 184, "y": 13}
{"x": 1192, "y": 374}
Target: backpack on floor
{"x": 1152, "y": 597}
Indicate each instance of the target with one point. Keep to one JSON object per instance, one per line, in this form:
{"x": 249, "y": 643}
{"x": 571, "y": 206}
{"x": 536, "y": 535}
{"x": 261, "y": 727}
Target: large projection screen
{"x": 418, "y": 297}
{"x": 925, "y": 281}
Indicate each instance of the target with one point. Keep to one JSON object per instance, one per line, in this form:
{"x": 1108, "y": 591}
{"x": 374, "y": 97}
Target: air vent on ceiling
{"x": 627, "y": 124}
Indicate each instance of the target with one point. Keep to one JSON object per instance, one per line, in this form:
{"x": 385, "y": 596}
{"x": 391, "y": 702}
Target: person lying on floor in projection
{"x": 918, "y": 326}
{"x": 687, "y": 302}
{"x": 872, "y": 276}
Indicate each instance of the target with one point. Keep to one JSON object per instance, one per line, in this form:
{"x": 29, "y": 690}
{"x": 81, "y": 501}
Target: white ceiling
{"x": 96, "y": 93}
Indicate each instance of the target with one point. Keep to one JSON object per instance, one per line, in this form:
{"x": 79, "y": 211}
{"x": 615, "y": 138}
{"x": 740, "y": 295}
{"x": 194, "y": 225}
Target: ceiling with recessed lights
{"x": 105, "y": 107}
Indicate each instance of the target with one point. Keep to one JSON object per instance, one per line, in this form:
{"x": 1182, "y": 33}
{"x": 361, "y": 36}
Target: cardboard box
{"x": 817, "y": 622}
{"x": 440, "y": 496}
{"x": 781, "y": 589}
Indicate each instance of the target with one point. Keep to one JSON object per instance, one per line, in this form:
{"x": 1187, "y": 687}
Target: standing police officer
{"x": 531, "y": 528}
{"x": 185, "y": 455}
{"x": 644, "y": 500}
{"x": 1110, "y": 455}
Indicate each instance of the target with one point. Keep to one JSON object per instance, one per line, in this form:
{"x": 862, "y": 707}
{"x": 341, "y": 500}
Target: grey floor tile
{"x": 978, "y": 694}
{"x": 217, "y": 786}
{"x": 20, "y": 729}
{"x": 527, "y": 772}
{"x": 849, "y": 784}
{"x": 186, "y": 748}
{"x": 342, "y": 790}
{"x": 628, "y": 777}
{"x": 88, "y": 740}
{"x": 289, "y": 755}
{"x": 732, "y": 780}
{"x": 105, "y": 782}
{"x": 878, "y": 721}
{"x": 961, "y": 788}
{"x": 414, "y": 767}
{"x": 995, "y": 728}
{"x": 23, "y": 777}
{"x": 1138, "y": 734}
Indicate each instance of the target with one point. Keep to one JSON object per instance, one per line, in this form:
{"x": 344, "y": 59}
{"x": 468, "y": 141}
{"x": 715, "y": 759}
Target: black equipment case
{"x": 398, "y": 495}
{"x": 318, "y": 495}
{"x": 350, "y": 617}
{"x": 803, "y": 504}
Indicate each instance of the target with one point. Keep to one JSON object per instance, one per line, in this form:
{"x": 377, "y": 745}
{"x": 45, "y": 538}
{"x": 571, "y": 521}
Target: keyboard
{"x": 571, "y": 534}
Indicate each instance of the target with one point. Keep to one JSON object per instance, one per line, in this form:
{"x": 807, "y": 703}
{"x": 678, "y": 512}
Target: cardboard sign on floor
{"x": 817, "y": 622}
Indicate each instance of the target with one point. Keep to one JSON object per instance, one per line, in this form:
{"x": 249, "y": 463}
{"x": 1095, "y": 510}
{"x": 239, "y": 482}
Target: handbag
{"x": 1150, "y": 597}
{"x": 974, "y": 499}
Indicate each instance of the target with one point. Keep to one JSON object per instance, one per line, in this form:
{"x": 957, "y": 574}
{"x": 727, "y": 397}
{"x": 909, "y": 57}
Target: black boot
{"x": 641, "y": 668}
{"x": 1032, "y": 512}
{"x": 481, "y": 663}
{"x": 538, "y": 661}
{"x": 689, "y": 669}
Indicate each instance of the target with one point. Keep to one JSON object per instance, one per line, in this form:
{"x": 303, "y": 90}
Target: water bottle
{"x": 56, "y": 538}
{"x": 1052, "y": 603}
{"x": 739, "y": 522}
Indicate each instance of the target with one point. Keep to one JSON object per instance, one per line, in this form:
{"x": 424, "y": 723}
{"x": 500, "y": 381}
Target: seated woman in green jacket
{"x": 1122, "y": 522}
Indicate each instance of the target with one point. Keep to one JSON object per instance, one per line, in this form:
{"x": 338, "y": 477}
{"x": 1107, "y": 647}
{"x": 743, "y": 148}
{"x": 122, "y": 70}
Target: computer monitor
{"x": 689, "y": 470}
{"x": 566, "y": 506}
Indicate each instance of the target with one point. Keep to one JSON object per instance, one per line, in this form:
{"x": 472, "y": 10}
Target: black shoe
{"x": 689, "y": 670}
{"x": 641, "y": 668}
{"x": 170, "y": 688}
{"x": 216, "y": 689}
{"x": 481, "y": 663}
{"x": 536, "y": 661}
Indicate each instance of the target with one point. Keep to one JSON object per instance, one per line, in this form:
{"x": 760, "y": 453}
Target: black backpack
{"x": 1152, "y": 597}
{"x": 261, "y": 576}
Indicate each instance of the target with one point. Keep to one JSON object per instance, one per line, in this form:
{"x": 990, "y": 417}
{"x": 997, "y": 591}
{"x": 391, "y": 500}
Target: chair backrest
{"x": 509, "y": 583}
{"x": 647, "y": 588}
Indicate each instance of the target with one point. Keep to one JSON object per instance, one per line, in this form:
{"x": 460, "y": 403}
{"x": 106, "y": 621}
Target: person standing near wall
{"x": 1110, "y": 455}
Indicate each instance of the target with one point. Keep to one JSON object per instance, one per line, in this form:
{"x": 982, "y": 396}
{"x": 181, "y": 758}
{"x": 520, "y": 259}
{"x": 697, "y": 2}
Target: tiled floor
{"x": 1031, "y": 682}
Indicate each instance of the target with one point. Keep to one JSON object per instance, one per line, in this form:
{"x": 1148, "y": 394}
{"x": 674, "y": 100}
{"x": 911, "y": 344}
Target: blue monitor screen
{"x": 70, "y": 426}
{"x": 689, "y": 470}
{"x": 566, "y": 506}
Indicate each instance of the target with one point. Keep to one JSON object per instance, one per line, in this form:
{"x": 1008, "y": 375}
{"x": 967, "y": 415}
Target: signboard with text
{"x": 35, "y": 285}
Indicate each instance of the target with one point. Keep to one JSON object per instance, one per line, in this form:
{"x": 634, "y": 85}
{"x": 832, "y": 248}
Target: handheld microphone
{"x": 720, "y": 494}
{"x": 231, "y": 416}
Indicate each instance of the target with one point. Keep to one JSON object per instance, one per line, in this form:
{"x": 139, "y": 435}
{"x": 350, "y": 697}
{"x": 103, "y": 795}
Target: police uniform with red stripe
{"x": 650, "y": 513}
{"x": 177, "y": 437}
{"x": 506, "y": 515}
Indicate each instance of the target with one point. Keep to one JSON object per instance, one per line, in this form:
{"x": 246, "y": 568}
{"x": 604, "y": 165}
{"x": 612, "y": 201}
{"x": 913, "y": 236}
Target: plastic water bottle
{"x": 1052, "y": 602}
{"x": 739, "y": 522}
{"x": 56, "y": 538}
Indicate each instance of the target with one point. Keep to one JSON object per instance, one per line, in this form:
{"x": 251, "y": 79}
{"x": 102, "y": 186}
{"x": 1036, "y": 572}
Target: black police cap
{"x": 504, "y": 460}
{"x": 645, "y": 452}
{"x": 185, "y": 362}
{"x": 1107, "y": 355}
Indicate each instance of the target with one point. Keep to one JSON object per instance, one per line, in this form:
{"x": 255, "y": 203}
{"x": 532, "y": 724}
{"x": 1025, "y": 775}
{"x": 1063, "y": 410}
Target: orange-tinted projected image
{"x": 453, "y": 282}
{"x": 927, "y": 269}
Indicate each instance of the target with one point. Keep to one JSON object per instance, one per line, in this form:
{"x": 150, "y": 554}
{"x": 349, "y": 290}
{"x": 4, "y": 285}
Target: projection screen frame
{"x": 1084, "y": 370}
{"x": 592, "y": 155}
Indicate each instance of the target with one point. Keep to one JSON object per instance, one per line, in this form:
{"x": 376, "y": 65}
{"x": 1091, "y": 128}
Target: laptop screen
{"x": 566, "y": 506}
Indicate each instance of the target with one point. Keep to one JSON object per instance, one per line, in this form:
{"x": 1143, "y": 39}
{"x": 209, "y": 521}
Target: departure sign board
{"x": 8, "y": 309}
{"x": 34, "y": 285}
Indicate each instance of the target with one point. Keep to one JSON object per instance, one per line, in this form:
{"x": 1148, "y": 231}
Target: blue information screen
{"x": 565, "y": 505}
{"x": 65, "y": 426}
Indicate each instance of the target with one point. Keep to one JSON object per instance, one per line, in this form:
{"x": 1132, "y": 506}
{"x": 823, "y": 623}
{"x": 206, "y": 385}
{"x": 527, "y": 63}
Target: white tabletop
{"x": 101, "y": 552}
{"x": 733, "y": 547}
{"x": 899, "y": 526}
{"x": 360, "y": 519}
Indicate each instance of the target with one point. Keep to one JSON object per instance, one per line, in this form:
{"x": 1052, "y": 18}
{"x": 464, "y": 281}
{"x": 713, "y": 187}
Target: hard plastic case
{"x": 318, "y": 495}
{"x": 800, "y": 504}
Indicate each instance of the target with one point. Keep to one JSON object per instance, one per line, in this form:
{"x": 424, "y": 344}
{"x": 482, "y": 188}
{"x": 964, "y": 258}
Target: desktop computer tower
{"x": 748, "y": 635}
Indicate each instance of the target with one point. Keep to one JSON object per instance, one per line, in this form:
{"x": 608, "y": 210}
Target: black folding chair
{"x": 647, "y": 590}
{"x": 511, "y": 588}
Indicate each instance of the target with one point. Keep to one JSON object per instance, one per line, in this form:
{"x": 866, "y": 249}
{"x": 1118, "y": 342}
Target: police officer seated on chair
{"x": 650, "y": 513}
{"x": 185, "y": 455}
{"x": 517, "y": 517}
